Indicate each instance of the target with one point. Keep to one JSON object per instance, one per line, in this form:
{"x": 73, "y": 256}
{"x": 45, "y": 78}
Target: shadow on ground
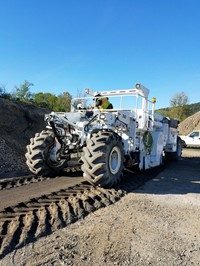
{"x": 181, "y": 177}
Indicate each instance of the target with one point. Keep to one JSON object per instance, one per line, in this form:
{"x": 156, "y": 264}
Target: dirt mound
{"x": 189, "y": 124}
{"x": 19, "y": 122}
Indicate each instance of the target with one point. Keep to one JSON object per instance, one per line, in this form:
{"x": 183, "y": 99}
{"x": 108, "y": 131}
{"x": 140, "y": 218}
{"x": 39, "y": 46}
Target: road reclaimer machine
{"x": 105, "y": 142}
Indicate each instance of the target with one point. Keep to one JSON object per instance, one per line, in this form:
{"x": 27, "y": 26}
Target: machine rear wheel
{"x": 103, "y": 159}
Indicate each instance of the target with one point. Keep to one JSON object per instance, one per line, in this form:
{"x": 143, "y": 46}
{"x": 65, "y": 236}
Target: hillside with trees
{"x": 187, "y": 114}
{"x": 22, "y": 93}
{"x": 180, "y": 107}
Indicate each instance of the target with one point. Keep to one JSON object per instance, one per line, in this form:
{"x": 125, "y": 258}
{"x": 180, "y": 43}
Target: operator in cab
{"x": 102, "y": 102}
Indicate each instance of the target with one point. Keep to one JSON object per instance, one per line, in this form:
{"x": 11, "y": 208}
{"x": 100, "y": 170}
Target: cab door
{"x": 194, "y": 139}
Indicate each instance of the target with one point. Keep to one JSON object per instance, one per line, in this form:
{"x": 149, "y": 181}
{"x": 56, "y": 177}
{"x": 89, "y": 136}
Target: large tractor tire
{"x": 103, "y": 159}
{"x": 175, "y": 156}
{"x": 38, "y": 155}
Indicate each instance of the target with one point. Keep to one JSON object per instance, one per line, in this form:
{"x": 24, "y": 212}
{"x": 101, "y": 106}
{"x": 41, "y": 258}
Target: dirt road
{"x": 157, "y": 224}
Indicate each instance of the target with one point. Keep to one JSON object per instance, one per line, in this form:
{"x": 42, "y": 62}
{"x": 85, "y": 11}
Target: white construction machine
{"x": 105, "y": 142}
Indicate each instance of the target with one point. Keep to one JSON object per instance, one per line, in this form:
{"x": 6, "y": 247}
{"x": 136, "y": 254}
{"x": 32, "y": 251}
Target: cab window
{"x": 194, "y": 134}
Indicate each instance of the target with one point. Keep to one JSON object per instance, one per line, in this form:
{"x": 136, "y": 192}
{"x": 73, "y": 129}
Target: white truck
{"x": 192, "y": 139}
{"x": 105, "y": 142}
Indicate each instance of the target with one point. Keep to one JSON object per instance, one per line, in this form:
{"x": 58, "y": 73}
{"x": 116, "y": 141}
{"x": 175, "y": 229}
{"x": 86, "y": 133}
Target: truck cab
{"x": 192, "y": 139}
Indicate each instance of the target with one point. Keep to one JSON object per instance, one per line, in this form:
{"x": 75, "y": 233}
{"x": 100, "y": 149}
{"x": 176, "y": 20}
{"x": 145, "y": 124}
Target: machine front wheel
{"x": 103, "y": 159}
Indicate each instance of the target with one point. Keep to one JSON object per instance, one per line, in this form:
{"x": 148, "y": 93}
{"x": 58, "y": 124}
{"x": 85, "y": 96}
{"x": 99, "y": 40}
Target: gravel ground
{"x": 157, "y": 224}
{"x": 12, "y": 163}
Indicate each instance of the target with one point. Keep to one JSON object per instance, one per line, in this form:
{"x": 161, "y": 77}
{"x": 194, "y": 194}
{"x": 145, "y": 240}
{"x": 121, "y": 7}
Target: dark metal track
{"x": 8, "y": 183}
{"x": 40, "y": 216}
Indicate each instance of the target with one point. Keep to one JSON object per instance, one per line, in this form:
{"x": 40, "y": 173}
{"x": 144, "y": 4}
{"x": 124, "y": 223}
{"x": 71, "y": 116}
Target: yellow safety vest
{"x": 105, "y": 103}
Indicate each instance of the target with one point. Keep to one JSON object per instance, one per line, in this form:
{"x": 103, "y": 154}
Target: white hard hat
{"x": 97, "y": 94}
{"x": 79, "y": 106}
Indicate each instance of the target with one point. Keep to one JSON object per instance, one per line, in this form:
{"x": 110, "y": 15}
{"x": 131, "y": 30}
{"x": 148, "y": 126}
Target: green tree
{"x": 46, "y": 100}
{"x": 23, "y": 91}
{"x": 3, "y": 93}
{"x": 63, "y": 102}
{"x": 179, "y": 106}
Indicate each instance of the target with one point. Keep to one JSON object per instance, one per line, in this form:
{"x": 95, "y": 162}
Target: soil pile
{"x": 189, "y": 124}
{"x": 19, "y": 122}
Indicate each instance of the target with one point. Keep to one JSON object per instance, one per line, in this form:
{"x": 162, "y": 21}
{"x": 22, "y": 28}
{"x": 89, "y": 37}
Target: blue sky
{"x": 69, "y": 45}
